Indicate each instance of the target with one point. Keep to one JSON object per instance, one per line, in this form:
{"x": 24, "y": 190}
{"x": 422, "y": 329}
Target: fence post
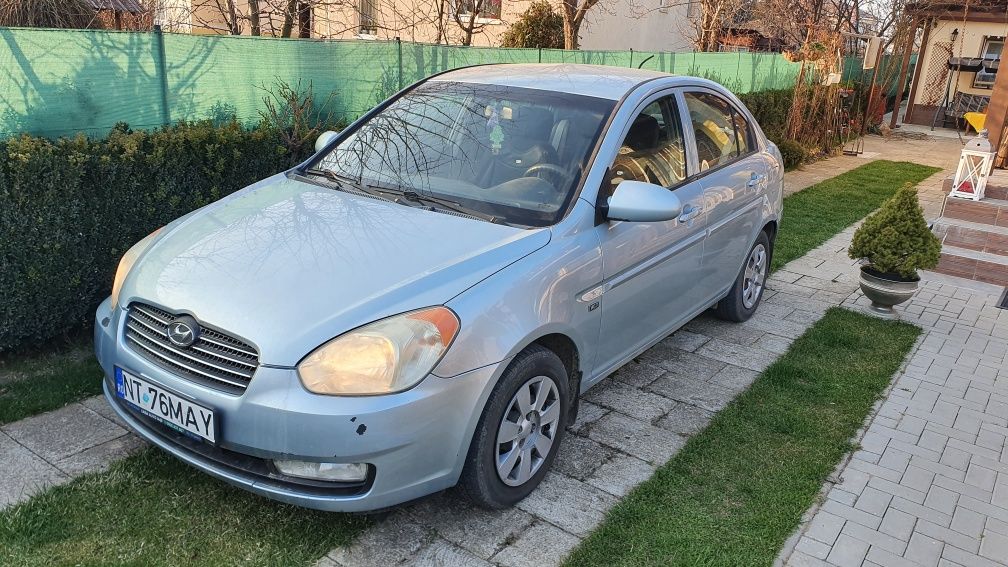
{"x": 399, "y": 49}
{"x": 162, "y": 75}
{"x": 631, "y": 58}
{"x": 540, "y": 55}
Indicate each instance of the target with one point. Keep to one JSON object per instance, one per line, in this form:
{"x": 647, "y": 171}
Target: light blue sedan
{"x": 421, "y": 303}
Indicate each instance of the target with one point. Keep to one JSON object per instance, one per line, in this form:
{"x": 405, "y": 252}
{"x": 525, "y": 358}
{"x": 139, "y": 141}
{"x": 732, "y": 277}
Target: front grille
{"x": 216, "y": 359}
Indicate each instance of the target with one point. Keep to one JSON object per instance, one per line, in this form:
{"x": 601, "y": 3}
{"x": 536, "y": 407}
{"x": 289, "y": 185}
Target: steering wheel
{"x": 558, "y": 173}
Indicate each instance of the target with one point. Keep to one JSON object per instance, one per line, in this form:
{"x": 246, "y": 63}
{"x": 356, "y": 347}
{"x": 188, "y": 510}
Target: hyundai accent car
{"x": 420, "y": 304}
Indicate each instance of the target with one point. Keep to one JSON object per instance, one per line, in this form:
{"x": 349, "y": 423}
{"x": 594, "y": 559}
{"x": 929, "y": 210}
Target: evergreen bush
{"x": 896, "y": 239}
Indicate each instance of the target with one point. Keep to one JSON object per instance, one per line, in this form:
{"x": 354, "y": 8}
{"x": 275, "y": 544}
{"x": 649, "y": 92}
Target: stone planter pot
{"x": 886, "y": 290}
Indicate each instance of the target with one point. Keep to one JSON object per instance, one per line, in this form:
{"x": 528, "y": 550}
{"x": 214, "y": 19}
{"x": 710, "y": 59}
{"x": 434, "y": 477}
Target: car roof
{"x": 589, "y": 80}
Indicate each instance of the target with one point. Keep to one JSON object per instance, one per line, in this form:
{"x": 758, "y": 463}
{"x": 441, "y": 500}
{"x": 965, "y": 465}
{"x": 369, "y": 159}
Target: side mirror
{"x": 637, "y": 201}
{"x": 323, "y": 140}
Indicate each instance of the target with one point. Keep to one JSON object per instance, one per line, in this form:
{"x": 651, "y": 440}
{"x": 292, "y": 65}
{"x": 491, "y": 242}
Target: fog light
{"x": 343, "y": 472}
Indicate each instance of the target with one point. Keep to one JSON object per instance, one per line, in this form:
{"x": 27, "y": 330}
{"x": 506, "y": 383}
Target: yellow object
{"x": 975, "y": 119}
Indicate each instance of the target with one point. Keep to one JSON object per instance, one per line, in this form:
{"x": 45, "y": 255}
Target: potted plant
{"x": 893, "y": 243}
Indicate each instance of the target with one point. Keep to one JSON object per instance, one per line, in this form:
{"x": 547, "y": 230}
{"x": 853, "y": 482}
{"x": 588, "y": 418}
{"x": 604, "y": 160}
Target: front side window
{"x": 991, "y": 51}
{"x": 516, "y": 154}
{"x": 743, "y": 133}
{"x": 713, "y": 129}
{"x": 652, "y": 150}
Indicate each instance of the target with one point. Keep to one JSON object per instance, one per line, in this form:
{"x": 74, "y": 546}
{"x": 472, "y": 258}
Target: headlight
{"x": 126, "y": 263}
{"x": 383, "y": 357}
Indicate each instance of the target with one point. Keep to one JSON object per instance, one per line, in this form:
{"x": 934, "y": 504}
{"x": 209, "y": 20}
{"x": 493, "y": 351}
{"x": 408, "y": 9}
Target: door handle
{"x": 689, "y": 213}
{"x": 755, "y": 179}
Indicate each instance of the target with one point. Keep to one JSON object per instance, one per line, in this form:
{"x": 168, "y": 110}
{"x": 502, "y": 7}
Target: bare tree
{"x": 574, "y": 12}
{"x": 48, "y": 14}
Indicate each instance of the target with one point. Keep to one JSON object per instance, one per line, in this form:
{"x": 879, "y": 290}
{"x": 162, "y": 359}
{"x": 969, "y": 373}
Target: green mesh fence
{"x": 59, "y": 82}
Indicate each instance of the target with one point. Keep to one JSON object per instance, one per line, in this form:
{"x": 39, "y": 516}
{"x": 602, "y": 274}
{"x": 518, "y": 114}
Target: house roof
{"x": 131, "y": 6}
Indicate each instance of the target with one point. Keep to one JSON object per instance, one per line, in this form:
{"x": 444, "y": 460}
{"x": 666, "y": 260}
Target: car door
{"x": 733, "y": 175}
{"x": 650, "y": 268}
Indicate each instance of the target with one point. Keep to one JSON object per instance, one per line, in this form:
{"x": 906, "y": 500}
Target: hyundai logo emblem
{"x": 183, "y": 331}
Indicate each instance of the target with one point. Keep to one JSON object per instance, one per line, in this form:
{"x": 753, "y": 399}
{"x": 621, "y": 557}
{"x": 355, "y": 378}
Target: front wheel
{"x": 519, "y": 433}
{"x": 746, "y": 293}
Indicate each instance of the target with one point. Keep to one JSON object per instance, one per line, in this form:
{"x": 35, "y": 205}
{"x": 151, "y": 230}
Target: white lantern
{"x": 974, "y": 165}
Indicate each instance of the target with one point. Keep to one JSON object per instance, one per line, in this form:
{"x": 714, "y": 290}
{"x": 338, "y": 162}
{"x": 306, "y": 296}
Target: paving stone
{"x": 443, "y": 554}
{"x": 825, "y": 527}
{"x": 924, "y": 550}
{"x": 621, "y": 474}
{"x": 735, "y": 378}
{"x": 681, "y": 363}
{"x": 570, "y": 504}
{"x": 848, "y": 551}
{"x": 541, "y": 545}
{"x": 686, "y": 340}
{"x": 99, "y": 457}
{"x": 685, "y": 419}
{"x": 753, "y": 358}
{"x": 58, "y": 434}
{"x": 637, "y": 374}
{"x": 813, "y": 548}
{"x": 637, "y": 438}
{"x": 968, "y": 522}
{"x": 588, "y": 413}
{"x": 994, "y": 546}
{"x": 22, "y": 473}
{"x": 633, "y": 402}
{"x": 579, "y": 457}
{"x": 479, "y": 531}
{"x": 100, "y": 405}
{"x": 705, "y": 395}
{"x": 873, "y": 501}
{"x": 897, "y": 524}
{"x": 392, "y": 541}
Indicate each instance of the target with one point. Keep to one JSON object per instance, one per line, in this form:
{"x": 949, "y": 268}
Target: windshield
{"x": 515, "y": 154}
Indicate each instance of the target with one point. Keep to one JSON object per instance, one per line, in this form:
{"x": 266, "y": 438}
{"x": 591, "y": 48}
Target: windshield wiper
{"x": 346, "y": 183}
{"x": 400, "y": 195}
{"x": 448, "y": 204}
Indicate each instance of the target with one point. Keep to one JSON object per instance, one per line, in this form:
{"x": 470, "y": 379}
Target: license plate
{"x": 167, "y": 407}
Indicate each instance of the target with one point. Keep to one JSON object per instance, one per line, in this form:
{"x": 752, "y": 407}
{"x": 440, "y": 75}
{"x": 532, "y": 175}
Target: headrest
{"x": 533, "y": 123}
{"x": 643, "y": 134}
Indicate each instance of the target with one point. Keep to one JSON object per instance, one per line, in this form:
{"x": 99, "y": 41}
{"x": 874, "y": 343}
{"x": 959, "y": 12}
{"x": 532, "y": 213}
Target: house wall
{"x": 967, "y": 44}
{"x": 641, "y": 25}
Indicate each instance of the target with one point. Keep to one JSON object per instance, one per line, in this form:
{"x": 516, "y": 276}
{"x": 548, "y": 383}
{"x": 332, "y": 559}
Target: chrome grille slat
{"x": 216, "y": 358}
{"x": 163, "y": 334}
{"x": 180, "y": 352}
{"x": 154, "y": 352}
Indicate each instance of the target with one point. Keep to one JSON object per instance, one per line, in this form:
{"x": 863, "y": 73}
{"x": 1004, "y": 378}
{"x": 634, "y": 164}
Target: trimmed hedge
{"x": 70, "y": 208}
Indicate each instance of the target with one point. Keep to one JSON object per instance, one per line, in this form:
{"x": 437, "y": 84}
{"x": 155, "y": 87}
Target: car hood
{"x": 287, "y": 265}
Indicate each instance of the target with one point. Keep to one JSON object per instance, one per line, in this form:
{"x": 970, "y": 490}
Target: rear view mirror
{"x": 637, "y": 201}
{"x": 323, "y": 140}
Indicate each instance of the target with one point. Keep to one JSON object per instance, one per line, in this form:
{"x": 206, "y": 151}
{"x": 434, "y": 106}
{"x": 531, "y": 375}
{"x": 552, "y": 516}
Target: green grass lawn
{"x": 151, "y": 509}
{"x": 738, "y": 489}
{"x": 35, "y": 383}
{"x": 812, "y": 216}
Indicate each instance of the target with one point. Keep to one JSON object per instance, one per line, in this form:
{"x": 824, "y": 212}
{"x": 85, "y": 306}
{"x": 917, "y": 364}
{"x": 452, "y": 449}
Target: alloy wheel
{"x": 754, "y": 277}
{"x": 527, "y": 430}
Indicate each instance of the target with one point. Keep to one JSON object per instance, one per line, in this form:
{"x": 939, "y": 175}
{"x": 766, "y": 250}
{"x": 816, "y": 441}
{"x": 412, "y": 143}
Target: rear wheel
{"x": 746, "y": 293}
{"x": 520, "y": 431}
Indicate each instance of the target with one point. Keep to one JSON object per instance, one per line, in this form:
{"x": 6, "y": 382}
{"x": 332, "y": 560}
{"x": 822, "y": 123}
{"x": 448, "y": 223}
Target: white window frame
{"x": 459, "y": 7}
{"x": 982, "y": 79}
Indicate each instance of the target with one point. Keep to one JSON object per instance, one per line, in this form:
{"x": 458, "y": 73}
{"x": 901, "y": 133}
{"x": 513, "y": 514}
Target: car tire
{"x": 747, "y": 292}
{"x": 499, "y": 470}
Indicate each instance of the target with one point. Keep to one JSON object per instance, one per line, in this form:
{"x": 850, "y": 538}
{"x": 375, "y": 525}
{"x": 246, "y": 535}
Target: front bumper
{"x": 415, "y": 441}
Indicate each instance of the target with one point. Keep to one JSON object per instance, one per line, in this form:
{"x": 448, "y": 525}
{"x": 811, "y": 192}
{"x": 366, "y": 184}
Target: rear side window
{"x": 714, "y": 129}
{"x": 743, "y": 133}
